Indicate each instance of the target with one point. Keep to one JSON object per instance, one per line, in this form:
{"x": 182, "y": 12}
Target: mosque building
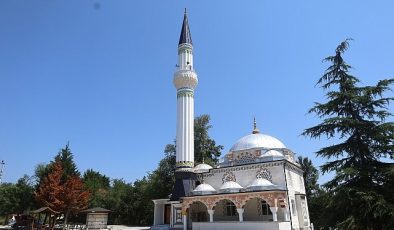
{"x": 256, "y": 185}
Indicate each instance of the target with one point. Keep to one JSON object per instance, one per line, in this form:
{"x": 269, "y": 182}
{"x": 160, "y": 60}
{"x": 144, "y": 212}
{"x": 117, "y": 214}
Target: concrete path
{"x": 122, "y": 227}
{"x": 111, "y": 227}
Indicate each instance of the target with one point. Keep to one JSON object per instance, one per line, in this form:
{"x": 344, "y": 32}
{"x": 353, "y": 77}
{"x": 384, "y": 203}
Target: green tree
{"x": 317, "y": 198}
{"x": 205, "y": 148}
{"x": 17, "y": 198}
{"x": 118, "y": 194}
{"x": 98, "y": 185}
{"x": 66, "y": 158}
{"x": 311, "y": 175}
{"x": 362, "y": 188}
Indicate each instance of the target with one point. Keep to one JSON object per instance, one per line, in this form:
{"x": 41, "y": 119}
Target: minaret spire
{"x": 185, "y": 37}
{"x": 255, "y": 129}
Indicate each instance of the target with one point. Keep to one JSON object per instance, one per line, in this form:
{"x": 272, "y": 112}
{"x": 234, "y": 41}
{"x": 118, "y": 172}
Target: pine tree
{"x": 65, "y": 195}
{"x": 65, "y": 156}
{"x": 361, "y": 190}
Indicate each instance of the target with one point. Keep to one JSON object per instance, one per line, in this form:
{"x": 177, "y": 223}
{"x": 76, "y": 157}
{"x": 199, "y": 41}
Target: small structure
{"x": 97, "y": 218}
{"x": 49, "y": 218}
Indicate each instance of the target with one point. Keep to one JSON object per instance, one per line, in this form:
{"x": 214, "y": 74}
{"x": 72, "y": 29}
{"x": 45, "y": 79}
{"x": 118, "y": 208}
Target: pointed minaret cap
{"x": 185, "y": 37}
{"x": 255, "y": 129}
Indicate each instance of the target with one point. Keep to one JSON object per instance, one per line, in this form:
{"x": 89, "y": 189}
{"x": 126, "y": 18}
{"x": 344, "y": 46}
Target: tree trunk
{"x": 65, "y": 220}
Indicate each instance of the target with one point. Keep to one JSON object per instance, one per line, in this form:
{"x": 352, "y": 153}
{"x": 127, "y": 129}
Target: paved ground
{"x": 113, "y": 227}
{"x": 121, "y": 227}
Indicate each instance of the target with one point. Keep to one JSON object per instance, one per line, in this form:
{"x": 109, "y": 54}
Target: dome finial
{"x": 255, "y": 129}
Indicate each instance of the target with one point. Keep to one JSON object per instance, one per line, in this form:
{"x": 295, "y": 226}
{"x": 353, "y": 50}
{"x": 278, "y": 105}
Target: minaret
{"x": 185, "y": 81}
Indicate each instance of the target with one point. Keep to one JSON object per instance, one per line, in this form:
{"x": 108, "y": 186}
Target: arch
{"x": 198, "y": 212}
{"x": 187, "y": 203}
{"x": 225, "y": 210}
{"x": 257, "y": 209}
{"x": 269, "y": 198}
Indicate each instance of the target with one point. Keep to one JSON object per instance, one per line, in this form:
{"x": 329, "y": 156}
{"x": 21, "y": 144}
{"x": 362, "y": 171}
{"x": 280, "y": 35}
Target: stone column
{"x": 184, "y": 221}
{"x": 240, "y": 214}
{"x": 287, "y": 213}
{"x": 211, "y": 212}
{"x": 274, "y": 211}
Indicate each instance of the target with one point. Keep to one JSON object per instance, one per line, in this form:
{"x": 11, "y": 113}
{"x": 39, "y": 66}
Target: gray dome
{"x": 201, "y": 168}
{"x": 257, "y": 140}
{"x": 204, "y": 189}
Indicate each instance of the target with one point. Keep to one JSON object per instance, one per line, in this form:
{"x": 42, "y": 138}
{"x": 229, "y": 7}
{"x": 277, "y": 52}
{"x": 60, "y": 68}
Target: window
{"x": 293, "y": 208}
{"x": 265, "y": 208}
{"x": 230, "y": 209}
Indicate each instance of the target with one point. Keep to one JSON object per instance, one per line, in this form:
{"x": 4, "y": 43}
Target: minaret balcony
{"x": 185, "y": 78}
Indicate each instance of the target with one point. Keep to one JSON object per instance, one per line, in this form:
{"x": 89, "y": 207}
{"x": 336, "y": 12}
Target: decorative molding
{"x": 214, "y": 171}
{"x": 185, "y": 93}
{"x": 294, "y": 168}
{"x": 183, "y": 164}
{"x": 264, "y": 173}
{"x": 273, "y": 198}
{"x": 228, "y": 176}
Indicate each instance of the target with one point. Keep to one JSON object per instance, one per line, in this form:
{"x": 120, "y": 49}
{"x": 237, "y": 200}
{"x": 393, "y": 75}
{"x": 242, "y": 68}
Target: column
{"x": 274, "y": 211}
{"x": 240, "y": 214}
{"x": 287, "y": 213}
{"x": 184, "y": 221}
{"x": 211, "y": 212}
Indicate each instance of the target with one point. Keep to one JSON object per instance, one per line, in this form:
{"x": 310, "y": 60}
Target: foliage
{"x": 311, "y": 175}
{"x": 66, "y": 158}
{"x": 98, "y": 185}
{"x": 64, "y": 194}
{"x": 16, "y": 198}
{"x": 361, "y": 190}
{"x": 317, "y": 197}
{"x": 205, "y": 148}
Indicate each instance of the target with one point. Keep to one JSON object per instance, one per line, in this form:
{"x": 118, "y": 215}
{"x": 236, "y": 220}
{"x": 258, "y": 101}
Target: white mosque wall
{"x": 245, "y": 174}
{"x": 296, "y": 192}
{"x": 241, "y": 225}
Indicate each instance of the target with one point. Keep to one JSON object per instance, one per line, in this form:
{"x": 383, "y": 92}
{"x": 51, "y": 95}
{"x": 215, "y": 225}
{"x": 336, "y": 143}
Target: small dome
{"x": 204, "y": 189}
{"x": 260, "y": 184}
{"x": 272, "y": 153}
{"x": 257, "y": 140}
{"x": 230, "y": 186}
{"x": 201, "y": 168}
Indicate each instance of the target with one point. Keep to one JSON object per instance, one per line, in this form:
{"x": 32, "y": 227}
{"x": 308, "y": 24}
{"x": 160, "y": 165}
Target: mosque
{"x": 256, "y": 185}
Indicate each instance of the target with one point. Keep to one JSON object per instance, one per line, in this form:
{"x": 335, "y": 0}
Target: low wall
{"x": 246, "y": 225}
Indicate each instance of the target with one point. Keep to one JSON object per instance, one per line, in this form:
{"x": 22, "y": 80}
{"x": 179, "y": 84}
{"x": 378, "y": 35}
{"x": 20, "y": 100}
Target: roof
{"x": 97, "y": 210}
{"x": 186, "y": 36}
{"x": 202, "y": 168}
{"x": 44, "y": 210}
{"x": 257, "y": 140}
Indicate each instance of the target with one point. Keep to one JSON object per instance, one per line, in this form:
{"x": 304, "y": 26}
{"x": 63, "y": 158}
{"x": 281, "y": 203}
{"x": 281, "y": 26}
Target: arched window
{"x": 230, "y": 209}
{"x": 265, "y": 208}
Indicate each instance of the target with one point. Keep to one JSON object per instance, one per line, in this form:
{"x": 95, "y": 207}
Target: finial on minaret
{"x": 185, "y": 37}
{"x": 255, "y": 129}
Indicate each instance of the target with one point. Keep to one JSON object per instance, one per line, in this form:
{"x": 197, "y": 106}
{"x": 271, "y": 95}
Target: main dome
{"x": 257, "y": 140}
